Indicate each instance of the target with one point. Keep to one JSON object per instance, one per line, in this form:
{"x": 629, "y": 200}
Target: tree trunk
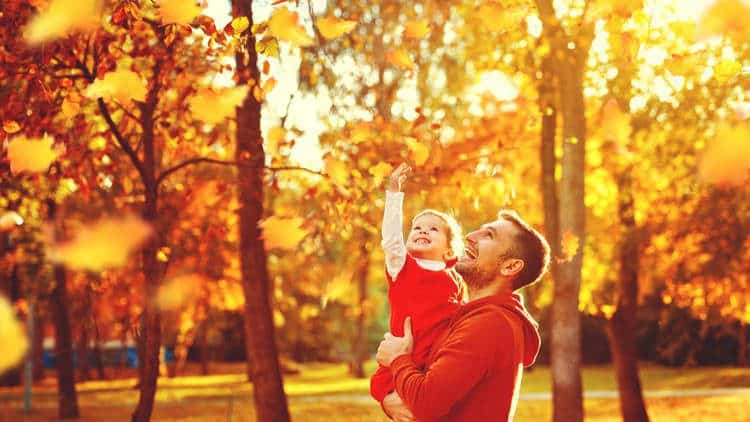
{"x": 621, "y": 328}
{"x": 742, "y": 346}
{"x": 37, "y": 344}
{"x": 360, "y": 340}
{"x": 548, "y": 109}
{"x": 260, "y": 340}
{"x": 152, "y": 270}
{"x": 566, "y": 322}
{"x": 59, "y": 301}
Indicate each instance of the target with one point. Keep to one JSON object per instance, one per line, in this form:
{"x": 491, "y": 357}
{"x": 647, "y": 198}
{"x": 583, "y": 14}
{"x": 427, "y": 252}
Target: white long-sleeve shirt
{"x": 393, "y": 238}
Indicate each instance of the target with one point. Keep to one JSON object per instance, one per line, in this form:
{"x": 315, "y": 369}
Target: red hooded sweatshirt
{"x": 473, "y": 372}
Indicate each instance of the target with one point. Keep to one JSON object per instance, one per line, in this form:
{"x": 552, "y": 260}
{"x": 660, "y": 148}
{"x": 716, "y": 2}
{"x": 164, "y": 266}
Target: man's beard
{"x": 475, "y": 277}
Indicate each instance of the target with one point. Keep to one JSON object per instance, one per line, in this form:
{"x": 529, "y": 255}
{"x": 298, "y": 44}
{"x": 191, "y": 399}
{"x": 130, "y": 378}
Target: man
{"x": 473, "y": 372}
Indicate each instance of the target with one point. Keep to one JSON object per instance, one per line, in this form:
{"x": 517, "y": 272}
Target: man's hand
{"x": 398, "y": 177}
{"x": 396, "y": 408}
{"x": 392, "y": 347}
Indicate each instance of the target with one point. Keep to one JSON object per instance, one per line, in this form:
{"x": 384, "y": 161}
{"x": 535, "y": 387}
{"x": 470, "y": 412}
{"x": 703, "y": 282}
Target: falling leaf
{"x": 381, "y": 171}
{"x": 725, "y": 18}
{"x": 337, "y": 171}
{"x": 269, "y": 85}
{"x": 275, "y": 136}
{"x": 178, "y": 11}
{"x": 569, "y": 244}
{"x": 416, "y": 29}
{"x": 240, "y": 24}
{"x": 12, "y": 337}
{"x": 282, "y": 233}
{"x": 400, "y": 58}
{"x": 103, "y": 244}
{"x": 179, "y": 291}
{"x": 268, "y": 46}
{"x": 331, "y": 27}
{"x": 726, "y": 70}
{"x": 419, "y": 152}
{"x": 495, "y": 17}
{"x": 11, "y": 126}
{"x": 121, "y": 85}
{"x": 615, "y": 124}
{"x": 284, "y": 26}
{"x": 727, "y": 159}
{"x": 212, "y": 106}
{"x": 9, "y": 220}
{"x": 31, "y": 154}
{"x": 61, "y": 18}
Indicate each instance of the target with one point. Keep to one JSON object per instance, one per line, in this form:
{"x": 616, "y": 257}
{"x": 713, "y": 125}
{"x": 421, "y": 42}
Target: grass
{"x": 225, "y": 395}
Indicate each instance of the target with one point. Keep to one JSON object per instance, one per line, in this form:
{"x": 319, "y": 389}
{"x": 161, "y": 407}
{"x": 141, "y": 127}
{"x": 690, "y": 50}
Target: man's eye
{"x": 434, "y": 229}
{"x": 489, "y": 234}
{"x": 416, "y": 228}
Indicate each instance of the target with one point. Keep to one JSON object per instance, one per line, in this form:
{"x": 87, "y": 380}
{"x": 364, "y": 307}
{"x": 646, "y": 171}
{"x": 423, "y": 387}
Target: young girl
{"x": 422, "y": 283}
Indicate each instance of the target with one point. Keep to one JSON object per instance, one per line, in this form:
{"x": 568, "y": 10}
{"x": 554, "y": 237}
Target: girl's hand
{"x": 398, "y": 177}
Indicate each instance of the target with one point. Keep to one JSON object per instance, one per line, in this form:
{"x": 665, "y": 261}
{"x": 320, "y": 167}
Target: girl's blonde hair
{"x": 455, "y": 234}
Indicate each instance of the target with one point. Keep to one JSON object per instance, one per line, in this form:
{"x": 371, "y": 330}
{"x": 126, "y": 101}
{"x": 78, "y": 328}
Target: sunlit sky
{"x": 308, "y": 112}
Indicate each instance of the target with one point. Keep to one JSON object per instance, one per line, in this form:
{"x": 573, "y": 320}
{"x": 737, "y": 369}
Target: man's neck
{"x": 489, "y": 290}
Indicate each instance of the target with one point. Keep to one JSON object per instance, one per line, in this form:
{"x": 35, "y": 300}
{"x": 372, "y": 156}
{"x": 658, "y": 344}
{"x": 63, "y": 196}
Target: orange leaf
{"x": 727, "y": 159}
{"x": 420, "y": 153}
{"x": 282, "y": 233}
{"x": 121, "y": 85}
{"x": 381, "y": 171}
{"x": 213, "y": 107}
{"x": 400, "y": 58}
{"x": 93, "y": 248}
{"x": 31, "y": 154}
{"x": 284, "y": 25}
{"x": 11, "y": 126}
{"x": 178, "y": 11}
{"x": 416, "y": 29}
{"x": 61, "y": 18}
{"x": 337, "y": 171}
{"x": 12, "y": 337}
{"x": 331, "y": 27}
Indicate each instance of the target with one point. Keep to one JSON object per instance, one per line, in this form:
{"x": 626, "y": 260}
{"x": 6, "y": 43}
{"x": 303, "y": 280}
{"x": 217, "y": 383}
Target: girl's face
{"x": 428, "y": 238}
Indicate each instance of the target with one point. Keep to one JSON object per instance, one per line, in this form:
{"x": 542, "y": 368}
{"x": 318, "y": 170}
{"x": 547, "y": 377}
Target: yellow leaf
{"x": 269, "y": 85}
{"x": 179, "y": 291}
{"x": 178, "y": 11}
{"x": 381, "y": 170}
{"x": 331, "y": 27}
{"x": 726, "y": 70}
{"x": 213, "y": 107}
{"x": 569, "y": 244}
{"x": 337, "y": 171}
{"x": 11, "y": 126}
{"x": 400, "y": 58}
{"x": 727, "y": 159}
{"x": 615, "y": 125}
{"x": 275, "y": 136}
{"x": 284, "y": 26}
{"x": 69, "y": 108}
{"x": 416, "y": 29}
{"x": 282, "y": 233}
{"x": 419, "y": 152}
{"x": 240, "y": 24}
{"x": 495, "y": 17}
{"x": 268, "y": 46}
{"x": 93, "y": 247}
{"x": 31, "y": 154}
{"x": 121, "y": 85}
{"x": 61, "y": 18}
{"x": 360, "y": 133}
{"x": 13, "y": 340}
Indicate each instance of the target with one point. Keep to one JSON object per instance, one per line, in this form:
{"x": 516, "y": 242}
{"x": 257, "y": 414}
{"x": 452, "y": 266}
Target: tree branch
{"x": 196, "y": 160}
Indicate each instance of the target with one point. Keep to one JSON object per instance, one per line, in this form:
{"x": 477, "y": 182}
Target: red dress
{"x": 430, "y": 298}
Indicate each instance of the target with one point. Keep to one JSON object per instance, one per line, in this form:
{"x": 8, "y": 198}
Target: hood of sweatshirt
{"x": 514, "y": 303}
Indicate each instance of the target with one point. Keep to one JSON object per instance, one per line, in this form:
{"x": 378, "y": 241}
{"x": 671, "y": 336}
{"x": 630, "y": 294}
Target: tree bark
{"x": 548, "y": 109}
{"x": 263, "y": 363}
{"x": 360, "y": 340}
{"x": 566, "y": 322}
{"x": 621, "y": 327}
{"x": 59, "y": 301}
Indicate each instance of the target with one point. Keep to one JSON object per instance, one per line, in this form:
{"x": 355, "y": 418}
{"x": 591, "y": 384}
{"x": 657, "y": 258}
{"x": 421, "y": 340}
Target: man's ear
{"x": 511, "y": 267}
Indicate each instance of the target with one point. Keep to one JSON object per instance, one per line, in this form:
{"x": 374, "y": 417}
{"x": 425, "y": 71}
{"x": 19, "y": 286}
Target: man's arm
{"x": 461, "y": 362}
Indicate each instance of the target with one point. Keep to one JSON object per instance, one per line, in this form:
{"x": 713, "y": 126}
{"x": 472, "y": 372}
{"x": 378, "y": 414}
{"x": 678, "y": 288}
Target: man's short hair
{"x": 530, "y": 246}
